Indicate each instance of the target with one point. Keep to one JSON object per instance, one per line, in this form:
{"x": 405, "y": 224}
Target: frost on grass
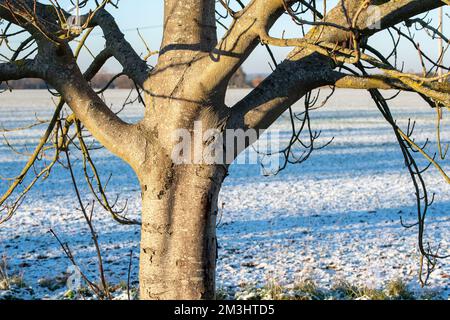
{"x": 341, "y": 290}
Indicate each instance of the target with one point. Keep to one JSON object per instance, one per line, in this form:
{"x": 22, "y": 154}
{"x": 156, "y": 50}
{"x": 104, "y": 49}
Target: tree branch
{"x": 116, "y": 44}
{"x": 241, "y": 39}
{"x": 18, "y": 70}
{"x": 99, "y": 61}
{"x": 382, "y": 82}
{"x": 43, "y": 21}
{"x": 293, "y": 78}
{"x": 116, "y": 135}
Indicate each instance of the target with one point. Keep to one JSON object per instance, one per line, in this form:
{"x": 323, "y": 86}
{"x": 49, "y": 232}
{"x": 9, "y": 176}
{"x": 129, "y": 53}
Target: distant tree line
{"x": 102, "y": 80}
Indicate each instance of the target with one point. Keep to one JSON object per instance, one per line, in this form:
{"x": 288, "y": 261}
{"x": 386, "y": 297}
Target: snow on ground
{"x": 335, "y": 217}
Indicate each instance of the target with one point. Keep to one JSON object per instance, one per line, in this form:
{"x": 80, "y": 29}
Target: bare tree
{"x": 188, "y": 85}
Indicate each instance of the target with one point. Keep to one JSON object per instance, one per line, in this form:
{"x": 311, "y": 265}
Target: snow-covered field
{"x": 335, "y": 217}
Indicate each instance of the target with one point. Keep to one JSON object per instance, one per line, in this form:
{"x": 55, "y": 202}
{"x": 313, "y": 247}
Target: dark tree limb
{"x": 133, "y": 65}
{"x": 18, "y": 70}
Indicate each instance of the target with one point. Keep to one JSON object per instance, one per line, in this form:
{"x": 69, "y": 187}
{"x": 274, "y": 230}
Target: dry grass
{"x": 308, "y": 290}
{"x": 7, "y": 280}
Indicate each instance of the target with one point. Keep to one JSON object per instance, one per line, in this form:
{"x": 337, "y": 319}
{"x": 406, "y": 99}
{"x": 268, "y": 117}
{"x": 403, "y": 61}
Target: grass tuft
{"x": 347, "y": 291}
{"x": 8, "y": 281}
{"x": 398, "y": 290}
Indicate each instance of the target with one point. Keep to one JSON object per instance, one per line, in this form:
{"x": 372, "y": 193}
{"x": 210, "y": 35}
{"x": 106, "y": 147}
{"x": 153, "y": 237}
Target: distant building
{"x": 238, "y": 80}
{"x": 257, "y": 80}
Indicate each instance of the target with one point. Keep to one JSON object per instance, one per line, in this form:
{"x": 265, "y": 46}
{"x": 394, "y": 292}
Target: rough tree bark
{"x": 178, "y": 245}
{"x": 188, "y": 84}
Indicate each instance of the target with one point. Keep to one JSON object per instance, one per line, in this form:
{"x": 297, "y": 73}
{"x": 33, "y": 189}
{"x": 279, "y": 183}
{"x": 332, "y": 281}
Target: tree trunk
{"x": 178, "y": 241}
